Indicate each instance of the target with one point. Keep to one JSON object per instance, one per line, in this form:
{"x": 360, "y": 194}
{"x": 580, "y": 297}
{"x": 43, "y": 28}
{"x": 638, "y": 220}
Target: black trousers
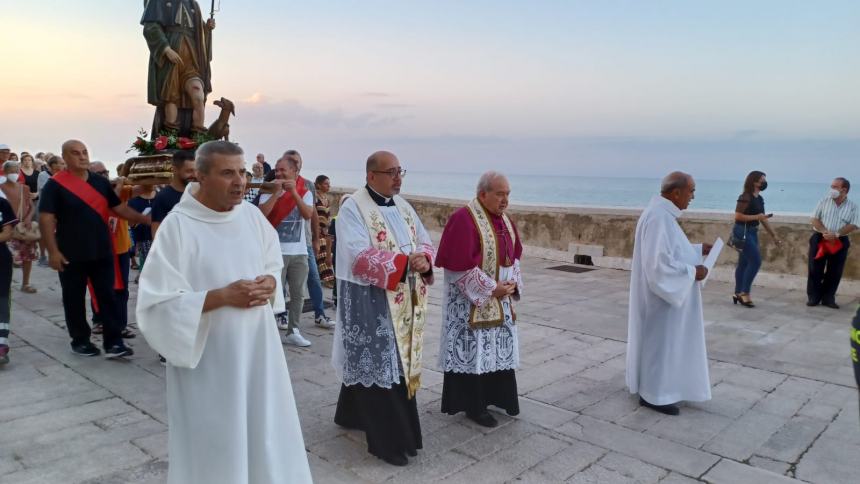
{"x": 826, "y": 272}
{"x": 73, "y": 280}
{"x": 121, "y": 294}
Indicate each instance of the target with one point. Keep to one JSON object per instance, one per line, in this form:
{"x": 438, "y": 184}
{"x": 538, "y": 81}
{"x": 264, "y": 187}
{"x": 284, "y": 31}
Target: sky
{"x": 592, "y": 88}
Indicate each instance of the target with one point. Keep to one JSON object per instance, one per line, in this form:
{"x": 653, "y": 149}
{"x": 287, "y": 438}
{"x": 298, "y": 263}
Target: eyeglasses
{"x": 393, "y": 173}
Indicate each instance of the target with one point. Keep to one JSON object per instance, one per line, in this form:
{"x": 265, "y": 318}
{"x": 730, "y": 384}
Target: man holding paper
{"x": 666, "y": 357}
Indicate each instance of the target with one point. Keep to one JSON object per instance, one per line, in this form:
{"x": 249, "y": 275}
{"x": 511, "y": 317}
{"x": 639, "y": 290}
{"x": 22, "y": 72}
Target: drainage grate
{"x": 575, "y": 269}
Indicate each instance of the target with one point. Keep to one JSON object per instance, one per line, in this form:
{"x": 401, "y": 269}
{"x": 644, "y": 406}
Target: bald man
{"x": 666, "y": 357}
{"x": 74, "y": 212}
{"x": 384, "y": 265}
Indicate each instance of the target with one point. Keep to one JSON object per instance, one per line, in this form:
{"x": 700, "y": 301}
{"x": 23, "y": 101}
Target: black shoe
{"x": 118, "y": 351}
{"x": 483, "y": 419}
{"x": 667, "y": 409}
{"x": 412, "y": 453}
{"x": 812, "y": 303}
{"x": 85, "y": 349}
{"x": 398, "y": 460}
{"x": 162, "y": 360}
{"x": 831, "y": 305}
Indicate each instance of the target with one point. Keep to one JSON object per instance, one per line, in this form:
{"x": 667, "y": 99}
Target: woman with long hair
{"x": 324, "y": 259}
{"x": 749, "y": 214}
{"x": 29, "y": 175}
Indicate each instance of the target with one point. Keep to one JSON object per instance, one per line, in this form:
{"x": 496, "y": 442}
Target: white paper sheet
{"x": 711, "y": 259}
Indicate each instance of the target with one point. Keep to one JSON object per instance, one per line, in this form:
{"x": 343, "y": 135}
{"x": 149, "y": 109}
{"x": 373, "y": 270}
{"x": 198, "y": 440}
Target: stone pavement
{"x": 784, "y": 406}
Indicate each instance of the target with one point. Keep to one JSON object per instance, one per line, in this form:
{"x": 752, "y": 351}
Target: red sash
{"x": 98, "y": 203}
{"x": 286, "y": 204}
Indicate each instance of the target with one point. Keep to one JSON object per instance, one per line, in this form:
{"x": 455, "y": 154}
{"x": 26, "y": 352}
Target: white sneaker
{"x": 296, "y": 339}
{"x": 283, "y": 321}
{"x": 324, "y": 322}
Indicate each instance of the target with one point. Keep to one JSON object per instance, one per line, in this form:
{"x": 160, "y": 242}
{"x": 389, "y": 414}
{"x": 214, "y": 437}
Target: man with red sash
{"x": 384, "y": 268}
{"x": 288, "y": 210}
{"x": 74, "y": 210}
{"x": 480, "y": 251}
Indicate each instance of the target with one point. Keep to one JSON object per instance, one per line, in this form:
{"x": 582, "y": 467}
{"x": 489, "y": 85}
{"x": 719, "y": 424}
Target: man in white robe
{"x": 480, "y": 251}
{"x": 205, "y": 302}
{"x": 384, "y": 265}
{"x": 666, "y": 357}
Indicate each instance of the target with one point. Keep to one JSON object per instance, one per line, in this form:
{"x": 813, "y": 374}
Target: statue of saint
{"x": 180, "y": 46}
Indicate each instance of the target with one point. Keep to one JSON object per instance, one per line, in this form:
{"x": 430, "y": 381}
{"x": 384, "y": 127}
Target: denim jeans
{"x": 749, "y": 260}
{"x": 315, "y": 290}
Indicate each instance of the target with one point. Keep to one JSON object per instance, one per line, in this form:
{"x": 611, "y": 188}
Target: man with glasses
{"x": 835, "y": 217}
{"x": 384, "y": 266}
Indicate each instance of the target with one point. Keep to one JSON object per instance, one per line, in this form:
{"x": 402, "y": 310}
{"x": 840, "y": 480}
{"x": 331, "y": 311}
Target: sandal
{"x": 128, "y": 334}
{"x": 28, "y": 289}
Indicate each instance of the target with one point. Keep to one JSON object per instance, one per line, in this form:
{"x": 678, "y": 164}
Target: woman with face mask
{"x": 749, "y": 214}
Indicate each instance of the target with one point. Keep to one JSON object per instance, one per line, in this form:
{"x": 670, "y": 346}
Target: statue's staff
{"x": 212, "y": 10}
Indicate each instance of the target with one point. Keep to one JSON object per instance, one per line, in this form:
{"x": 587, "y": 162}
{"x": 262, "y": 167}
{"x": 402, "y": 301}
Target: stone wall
{"x": 606, "y": 234}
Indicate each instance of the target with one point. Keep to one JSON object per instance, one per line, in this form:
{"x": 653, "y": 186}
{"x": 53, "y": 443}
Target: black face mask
{"x": 763, "y": 186}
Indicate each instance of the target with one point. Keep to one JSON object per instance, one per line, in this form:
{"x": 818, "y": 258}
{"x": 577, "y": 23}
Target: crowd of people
{"x": 200, "y": 299}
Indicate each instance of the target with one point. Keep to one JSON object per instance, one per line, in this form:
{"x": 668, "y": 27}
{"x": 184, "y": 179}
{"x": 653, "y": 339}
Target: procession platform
{"x": 784, "y": 402}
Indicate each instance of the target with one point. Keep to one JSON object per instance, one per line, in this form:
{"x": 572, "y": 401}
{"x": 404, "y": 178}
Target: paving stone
{"x": 565, "y": 464}
{"x": 755, "y": 378}
{"x": 9, "y": 465}
{"x": 692, "y": 427}
{"x": 434, "y": 468}
{"x": 9, "y": 413}
{"x": 642, "y": 418}
{"x": 744, "y": 436}
{"x": 341, "y": 451}
{"x": 632, "y": 468}
{"x": 59, "y": 419}
{"x": 39, "y": 456}
{"x": 102, "y": 461}
{"x": 675, "y": 478}
{"x": 324, "y": 471}
{"x": 542, "y": 414}
{"x": 731, "y": 472}
{"x": 729, "y": 400}
{"x": 598, "y": 475}
{"x": 766, "y": 463}
{"x": 829, "y": 461}
{"x": 511, "y": 461}
{"x": 653, "y": 450}
{"x": 792, "y": 439}
{"x": 152, "y": 472}
{"x": 154, "y": 445}
{"x": 614, "y": 407}
{"x": 500, "y": 438}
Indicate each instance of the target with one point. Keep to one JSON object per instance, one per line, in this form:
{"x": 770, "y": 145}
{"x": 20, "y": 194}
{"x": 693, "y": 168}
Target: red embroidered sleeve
{"x": 380, "y": 268}
{"x": 477, "y": 286}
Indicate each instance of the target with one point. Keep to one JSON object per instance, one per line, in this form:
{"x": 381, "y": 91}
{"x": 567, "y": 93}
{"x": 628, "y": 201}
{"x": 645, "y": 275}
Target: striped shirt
{"x": 834, "y": 217}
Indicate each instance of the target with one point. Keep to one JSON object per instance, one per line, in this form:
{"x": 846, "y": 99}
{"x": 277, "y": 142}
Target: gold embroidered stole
{"x": 407, "y": 307}
{"x": 490, "y": 314}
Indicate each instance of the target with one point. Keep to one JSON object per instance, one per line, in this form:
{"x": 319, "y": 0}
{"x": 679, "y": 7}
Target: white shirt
{"x": 292, "y": 230}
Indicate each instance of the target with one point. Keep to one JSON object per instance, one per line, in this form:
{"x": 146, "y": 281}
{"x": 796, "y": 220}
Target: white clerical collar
{"x": 660, "y": 201}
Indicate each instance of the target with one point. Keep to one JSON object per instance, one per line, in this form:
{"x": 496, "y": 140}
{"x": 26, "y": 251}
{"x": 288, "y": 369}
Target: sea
{"x": 786, "y": 198}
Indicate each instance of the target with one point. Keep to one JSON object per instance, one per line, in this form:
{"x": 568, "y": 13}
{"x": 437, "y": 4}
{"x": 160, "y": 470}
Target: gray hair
{"x": 290, "y": 157}
{"x": 485, "y": 183}
{"x": 210, "y": 148}
{"x": 677, "y": 180}
{"x": 10, "y": 164}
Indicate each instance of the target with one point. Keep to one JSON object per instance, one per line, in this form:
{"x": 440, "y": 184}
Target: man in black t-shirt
{"x": 74, "y": 208}
{"x": 184, "y": 172}
{"x": 7, "y": 221}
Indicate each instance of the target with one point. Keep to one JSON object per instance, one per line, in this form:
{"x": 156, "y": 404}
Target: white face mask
{"x": 12, "y": 177}
{"x": 834, "y": 193}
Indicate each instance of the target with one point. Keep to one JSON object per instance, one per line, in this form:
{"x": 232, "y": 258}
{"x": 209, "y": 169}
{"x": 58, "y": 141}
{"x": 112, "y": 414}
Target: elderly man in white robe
{"x": 480, "y": 251}
{"x": 384, "y": 265}
{"x": 208, "y": 308}
{"x": 666, "y": 357}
